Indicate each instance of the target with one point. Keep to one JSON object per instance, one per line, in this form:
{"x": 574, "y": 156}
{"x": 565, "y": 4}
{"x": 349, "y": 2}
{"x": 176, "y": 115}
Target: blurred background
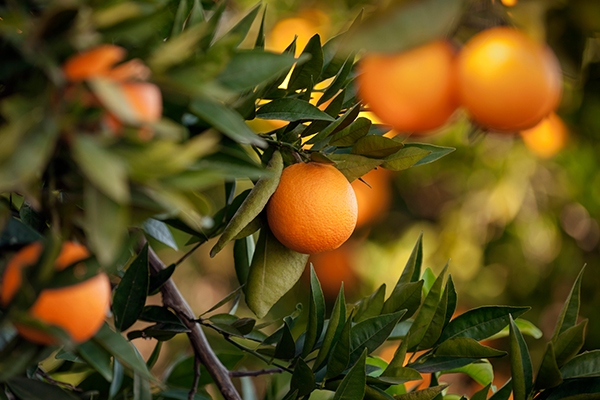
{"x": 516, "y": 214}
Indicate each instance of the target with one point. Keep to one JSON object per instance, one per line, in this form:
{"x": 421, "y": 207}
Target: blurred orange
{"x": 546, "y": 138}
{"x": 92, "y": 63}
{"x": 334, "y": 267}
{"x": 305, "y": 25}
{"x": 373, "y": 202}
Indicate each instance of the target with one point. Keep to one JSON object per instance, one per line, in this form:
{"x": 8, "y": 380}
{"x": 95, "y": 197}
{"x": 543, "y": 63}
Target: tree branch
{"x": 194, "y": 388}
{"x": 172, "y": 298}
{"x": 238, "y": 374}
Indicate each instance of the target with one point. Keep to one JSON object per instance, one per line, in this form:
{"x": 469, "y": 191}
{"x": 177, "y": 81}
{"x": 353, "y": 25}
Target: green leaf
{"x": 481, "y": 323}
{"x": 223, "y": 301}
{"x": 316, "y": 314}
{"x": 105, "y": 224}
{"x": 354, "y": 383}
{"x": 371, "y": 305}
{"x": 397, "y": 362}
{"x": 340, "y": 123}
{"x": 260, "y": 38}
{"x": 570, "y": 310}
{"x": 350, "y": 134}
{"x": 196, "y": 15}
{"x": 481, "y": 371}
{"x": 286, "y": 347}
{"x": 33, "y": 389}
{"x": 240, "y": 30}
{"x": 274, "y": 270}
{"x": 17, "y": 233}
{"x": 520, "y": 363}
{"x": 141, "y": 387}
{"x": 183, "y": 11}
{"x": 584, "y": 365}
{"x": 334, "y": 58}
{"x": 249, "y": 68}
{"x": 226, "y": 120}
{"x": 289, "y": 109}
{"x": 253, "y": 204}
{"x": 569, "y": 343}
{"x": 548, "y": 374}
{"x": 120, "y": 348}
{"x": 353, "y": 166}
{"x": 112, "y": 97}
{"x": 243, "y": 250}
{"x": 130, "y": 295}
{"x": 452, "y": 300}
{"x": 577, "y": 389}
{"x": 303, "y": 379}
{"x": 340, "y": 81}
{"x": 425, "y": 394}
{"x": 103, "y": 168}
{"x": 160, "y": 278}
{"x": 404, "y": 158}
{"x": 405, "y": 25}
{"x": 372, "y": 333}
{"x": 375, "y": 146}
{"x": 428, "y": 281}
{"x": 482, "y": 394}
{"x": 411, "y": 273}
{"x": 504, "y": 392}
{"x": 466, "y": 347}
{"x": 159, "y": 314}
{"x": 437, "y": 322}
{"x": 526, "y": 328}
{"x": 437, "y": 152}
{"x": 340, "y": 355}
{"x": 159, "y": 231}
{"x": 427, "y": 312}
{"x": 97, "y": 357}
{"x": 305, "y": 75}
{"x": 432, "y": 364}
{"x": 334, "y": 329}
{"x": 154, "y": 355}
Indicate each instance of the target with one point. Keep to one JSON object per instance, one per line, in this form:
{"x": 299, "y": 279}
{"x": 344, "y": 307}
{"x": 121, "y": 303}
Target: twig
{"x": 47, "y": 377}
{"x": 255, "y": 354}
{"x": 238, "y": 374}
{"x": 194, "y": 388}
{"x": 172, "y": 298}
{"x": 186, "y": 255}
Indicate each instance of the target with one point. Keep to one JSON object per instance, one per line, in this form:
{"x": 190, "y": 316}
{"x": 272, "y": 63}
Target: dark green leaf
{"x": 372, "y": 333}
{"x": 240, "y": 30}
{"x": 526, "y": 328}
{"x": 33, "y": 389}
{"x": 411, "y": 273}
{"x": 154, "y": 355}
{"x": 584, "y": 365}
{"x": 183, "y": 11}
{"x": 334, "y": 58}
{"x": 97, "y": 357}
{"x": 141, "y": 387}
{"x": 274, "y": 270}
{"x": 286, "y": 347}
{"x": 120, "y": 348}
{"x": 306, "y": 74}
{"x": 569, "y": 343}
{"x": 354, "y": 166}
{"x": 260, "y": 38}
{"x": 520, "y": 363}
{"x": 17, "y": 233}
{"x": 371, "y": 305}
{"x": 159, "y": 231}
{"x": 249, "y": 68}
{"x": 436, "y": 364}
{"x": 226, "y": 120}
{"x": 340, "y": 123}
{"x": 376, "y": 146}
{"x": 437, "y": 152}
{"x": 405, "y": 25}
{"x": 303, "y": 379}
{"x": 340, "y": 80}
{"x": 504, "y": 392}
{"x": 354, "y": 383}
{"x": 159, "y": 314}
{"x": 289, "y": 109}
{"x": 482, "y": 394}
{"x": 182, "y": 373}
{"x": 316, "y": 314}
{"x": 243, "y": 250}
{"x": 437, "y": 322}
{"x": 130, "y": 295}
{"x": 548, "y": 374}
{"x": 425, "y": 394}
{"x": 452, "y": 300}
{"x": 340, "y": 355}
{"x": 160, "y": 278}
{"x": 225, "y": 300}
{"x": 570, "y": 310}
{"x": 466, "y": 347}
{"x": 253, "y": 204}
{"x": 397, "y": 362}
{"x": 575, "y": 389}
{"x": 334, "y": 329}
{"x": 404, "y": 158}
{"x": 196, "y": 15}
{"x": 480, "y": 323}
{"x": 350, "y": 134}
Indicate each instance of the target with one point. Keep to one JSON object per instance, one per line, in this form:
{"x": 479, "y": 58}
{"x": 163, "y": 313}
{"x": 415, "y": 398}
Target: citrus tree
{"x": 117, "y": 117}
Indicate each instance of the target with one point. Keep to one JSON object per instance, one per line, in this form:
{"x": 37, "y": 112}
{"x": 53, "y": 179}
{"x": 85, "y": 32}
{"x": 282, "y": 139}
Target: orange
{"x": 413, "y": 91}
{"x": 145, "y": 99}
{"x": 546, "y": 138}
{"x": 334, "y": 267}
{"x": 313, "y": 209}
{"x": 507, "y": 81}
{"x": 304, "y": 26}
{"x": 374, "y": 201}
{"x": 95, "y": 62}
{"x": 79, "y": 309}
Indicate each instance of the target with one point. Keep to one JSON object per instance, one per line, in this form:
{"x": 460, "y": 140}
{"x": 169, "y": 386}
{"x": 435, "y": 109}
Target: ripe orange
{"x": 506, "y": 81}
{"x": 373, "y": 201}
{"x": 313, "y": 209}
{"x": 145, "y": 99}
{"x": 304, "y": 26}
{"x": 546, "y": 138}
{"x": 413, "y": 91}
{"x": 95, "y": 62}
{"x": 79, "y": 309}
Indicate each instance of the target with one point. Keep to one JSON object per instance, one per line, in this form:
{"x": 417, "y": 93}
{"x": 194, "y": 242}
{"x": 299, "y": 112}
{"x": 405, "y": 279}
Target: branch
{"x": 238, "y": 374}
{"x": 172, "y": 298}
{"x": 194, "y": 388}
{"x": 48, "y": 379}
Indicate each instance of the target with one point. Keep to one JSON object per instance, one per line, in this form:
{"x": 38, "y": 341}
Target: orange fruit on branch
{"x": 507, "y": 81}
{"x": 413, "y": 91}
{"x": 78, "y": 309}
{"x": 313, "y": 209}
